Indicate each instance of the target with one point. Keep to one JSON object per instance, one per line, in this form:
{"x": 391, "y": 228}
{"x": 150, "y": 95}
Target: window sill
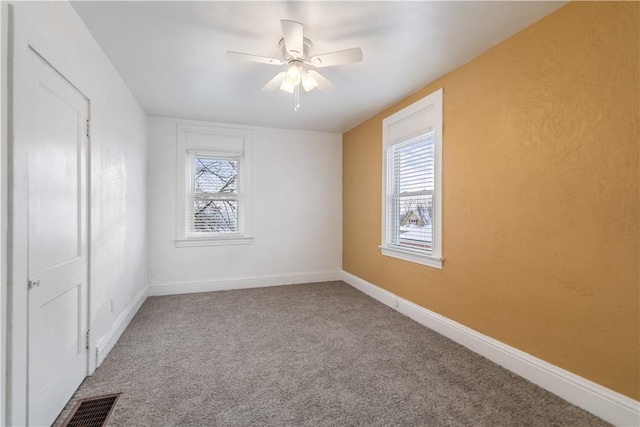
{"x": 213, "y": 241}
{"x": 412, "y": 256}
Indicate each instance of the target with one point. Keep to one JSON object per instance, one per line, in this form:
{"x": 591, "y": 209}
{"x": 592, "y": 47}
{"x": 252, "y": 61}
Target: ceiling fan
{"x": 296, "y": 54}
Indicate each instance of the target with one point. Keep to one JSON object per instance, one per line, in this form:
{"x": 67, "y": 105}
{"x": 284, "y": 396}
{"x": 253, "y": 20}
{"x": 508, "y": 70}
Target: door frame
{"x": 25, "y": 40}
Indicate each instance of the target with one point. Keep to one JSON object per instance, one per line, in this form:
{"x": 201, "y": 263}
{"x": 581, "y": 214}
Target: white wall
{"x": 297, "y": 215}
{"x": 118, "y": 257}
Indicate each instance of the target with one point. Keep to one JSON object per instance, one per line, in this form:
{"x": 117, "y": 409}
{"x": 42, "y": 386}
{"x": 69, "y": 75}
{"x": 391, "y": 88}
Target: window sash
{"x": 223, "y": 220}
{"x": 237, "y": 160}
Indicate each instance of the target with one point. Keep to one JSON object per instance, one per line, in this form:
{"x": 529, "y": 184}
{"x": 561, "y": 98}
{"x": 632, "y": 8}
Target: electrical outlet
{"x": 112, "y": 304}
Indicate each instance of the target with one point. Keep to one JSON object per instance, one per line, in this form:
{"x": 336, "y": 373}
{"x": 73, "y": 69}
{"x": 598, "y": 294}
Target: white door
{"x": 57, "y": 239}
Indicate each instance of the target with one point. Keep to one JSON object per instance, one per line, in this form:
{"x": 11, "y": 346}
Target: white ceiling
{"x": 172, "y": 54}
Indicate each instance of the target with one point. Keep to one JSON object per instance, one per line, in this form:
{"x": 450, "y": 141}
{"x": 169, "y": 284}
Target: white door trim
{"x": 23, "y": 38}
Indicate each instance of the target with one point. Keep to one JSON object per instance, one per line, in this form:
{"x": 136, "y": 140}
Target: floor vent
{"x": 92, "y": 412}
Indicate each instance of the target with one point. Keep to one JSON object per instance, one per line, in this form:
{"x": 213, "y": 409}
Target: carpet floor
{"x": 319, "y": 354}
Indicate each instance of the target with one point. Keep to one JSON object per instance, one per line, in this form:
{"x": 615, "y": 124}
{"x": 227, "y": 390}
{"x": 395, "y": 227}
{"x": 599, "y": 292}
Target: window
{"x": 213, "y": 172}
{"x": 412, "y": 205}
{"x": 214, "y": 195}
{"x": 410, "y": 193}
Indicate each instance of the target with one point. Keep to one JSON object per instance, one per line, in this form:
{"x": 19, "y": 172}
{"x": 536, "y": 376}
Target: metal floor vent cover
{"x": 92, "y": 412}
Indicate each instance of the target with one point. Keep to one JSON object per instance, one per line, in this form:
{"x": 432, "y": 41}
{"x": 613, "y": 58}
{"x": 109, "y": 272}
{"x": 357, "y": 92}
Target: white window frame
{"x": 418, "y": 118}
{"x": 214, "y": 142}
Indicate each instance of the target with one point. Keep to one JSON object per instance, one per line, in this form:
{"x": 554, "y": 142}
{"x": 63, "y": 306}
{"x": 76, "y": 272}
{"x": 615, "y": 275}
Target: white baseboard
{"x": 605, "y": 403}
{"x": 176, "y": 288}
{"x": 107, "y": 342}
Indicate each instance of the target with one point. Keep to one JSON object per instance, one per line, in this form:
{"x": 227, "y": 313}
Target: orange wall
{"x": 540, "y": 186}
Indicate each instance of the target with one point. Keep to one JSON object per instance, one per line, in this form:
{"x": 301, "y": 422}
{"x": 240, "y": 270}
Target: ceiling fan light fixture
{"x": 293, "y": 74}
{"x": 308, "y": 82}
{"x": 287, "y": 86}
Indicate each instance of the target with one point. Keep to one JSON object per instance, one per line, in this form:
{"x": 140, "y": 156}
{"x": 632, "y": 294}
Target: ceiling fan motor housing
{"x": 306, "y": 50}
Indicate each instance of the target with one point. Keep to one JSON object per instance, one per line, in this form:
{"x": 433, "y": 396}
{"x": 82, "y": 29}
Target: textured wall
{"x": 540, "y": 183}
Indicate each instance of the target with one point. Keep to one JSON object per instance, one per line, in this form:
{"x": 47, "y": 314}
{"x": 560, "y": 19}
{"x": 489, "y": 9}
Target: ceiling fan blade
{"x": 323, "y": 83}
{"x": 337, "y": 58}
{"x": 293, "y": 38}
{"x": 274, "y": 83}
{"x": 254, "y": 58}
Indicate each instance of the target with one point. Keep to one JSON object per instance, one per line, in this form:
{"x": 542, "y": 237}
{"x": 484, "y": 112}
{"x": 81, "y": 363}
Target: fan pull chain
{"x": 296, "y": 98}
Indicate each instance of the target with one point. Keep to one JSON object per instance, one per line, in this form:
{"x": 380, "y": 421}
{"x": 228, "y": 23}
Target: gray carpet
{"x": 306, "y": 355}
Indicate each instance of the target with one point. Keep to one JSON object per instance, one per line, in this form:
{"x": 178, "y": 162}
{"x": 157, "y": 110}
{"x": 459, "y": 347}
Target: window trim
{"x": 418, "y": 118}
{"x": 184, "y": 174}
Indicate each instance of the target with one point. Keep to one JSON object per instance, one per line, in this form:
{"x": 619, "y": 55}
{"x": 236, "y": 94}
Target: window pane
{"x": 415, "y": 222}
{"x": 412, "y": 164}
{"x": 214, "y": 216}
{"x": 215, "y": 175}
